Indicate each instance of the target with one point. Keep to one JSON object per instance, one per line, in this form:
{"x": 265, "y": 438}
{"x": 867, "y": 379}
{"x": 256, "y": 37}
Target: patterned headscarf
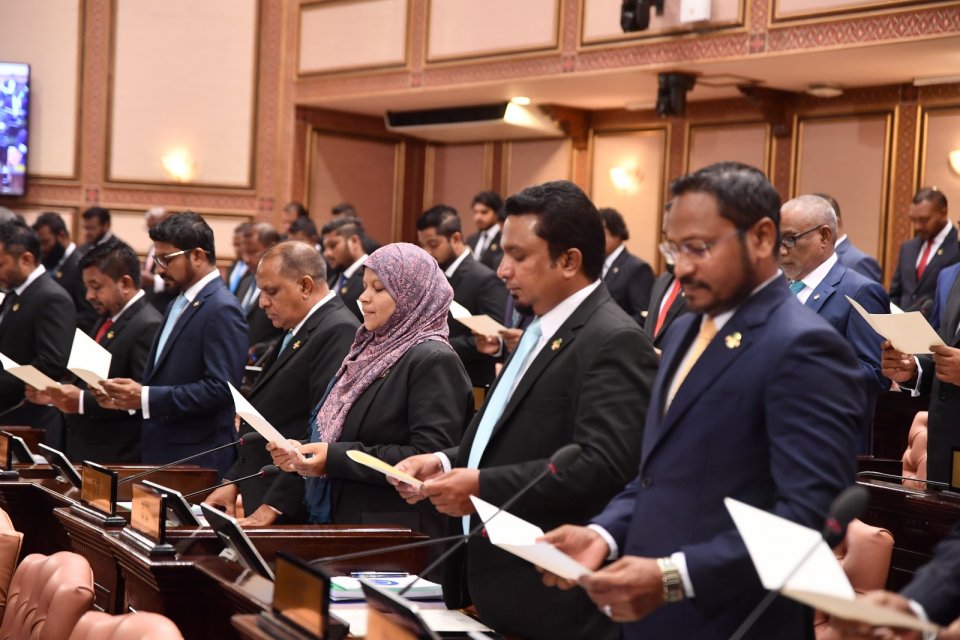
{"x": 423, "y": 296}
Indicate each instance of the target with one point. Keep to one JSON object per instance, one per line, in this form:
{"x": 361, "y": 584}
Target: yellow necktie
{"x": 708, "y": 330}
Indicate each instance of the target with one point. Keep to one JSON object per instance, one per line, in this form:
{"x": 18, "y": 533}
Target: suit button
{"x": 646, "y": 482}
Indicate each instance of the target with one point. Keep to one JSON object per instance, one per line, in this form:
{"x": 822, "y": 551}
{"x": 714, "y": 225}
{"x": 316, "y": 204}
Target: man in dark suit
{"x": 922, "y": 258}
{"x": 239, "y": 268}
{"x": 343, "y": 249}
{"x": 126, "y": 328}
{"x": 627, "y": 277}
{"x": 666, "y": 305}
{"x": 823, "y": 284}
{"x": 200, "y": 348}
{"x": 95, "y": 224}
{"x": 318, "y": 332}
{"x": 261, "y": 331}
{"x": 475, "y": 287}
{"x": 849, "y": 254}
{"x": 755, "y": 399}
{"x": 153, "y": 285}
{"x": 487, "y": 215}
{"x": 61, "y": 260}
{"x": 37, "y": 323}
{"x": 581, "y": 373}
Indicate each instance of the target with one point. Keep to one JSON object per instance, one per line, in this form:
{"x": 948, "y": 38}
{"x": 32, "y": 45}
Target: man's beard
{"x": 50, "y": 260}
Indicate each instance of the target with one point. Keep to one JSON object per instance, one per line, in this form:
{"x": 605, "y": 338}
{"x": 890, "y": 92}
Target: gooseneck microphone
{"x": 847, "y": 506}
{"x": 250, "y": 438}
{"x": 559, "y": 460}
{"x": 266, "y": 471}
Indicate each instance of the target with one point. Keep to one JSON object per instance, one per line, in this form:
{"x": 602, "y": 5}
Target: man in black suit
{"x": 37, "y": 323}
{"x": 153, "y": 285}
{"x": 343, "y": 249}
{"x": 922, "y": 257}
{"x": 848, "y": 254}
{"x": 262, "y": 333}
{"x": 487, "y": 215}
{"x": 582, "y": 373}
{"x": 61, "y": 260}
{"x": 475, "y": 287}
{"x": 305, "y": 230}
{"x": 318, "y": 332}
{"x": 627, "y": 277}
{"x": 126, "y": 327}
{"x": 95, "y": 224}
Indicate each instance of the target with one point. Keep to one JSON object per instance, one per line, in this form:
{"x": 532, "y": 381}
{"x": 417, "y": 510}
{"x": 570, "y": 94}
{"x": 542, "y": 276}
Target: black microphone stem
{"x": 376, "y": 552}
{"x": 175, "y": 462}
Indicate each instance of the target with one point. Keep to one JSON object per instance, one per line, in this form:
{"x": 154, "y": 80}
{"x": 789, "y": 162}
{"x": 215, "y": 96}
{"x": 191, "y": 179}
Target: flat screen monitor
{"x": 14, "y": 116}
{"x": 19, "y": 449}
{"x": 235, "y": 539}
{"x": 392, "y": 612}
{"x": 59, "y": 461}
{"x": 178, "y": 509}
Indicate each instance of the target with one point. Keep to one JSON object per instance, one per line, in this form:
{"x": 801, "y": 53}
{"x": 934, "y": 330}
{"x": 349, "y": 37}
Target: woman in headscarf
{"x": 400, "y": 391}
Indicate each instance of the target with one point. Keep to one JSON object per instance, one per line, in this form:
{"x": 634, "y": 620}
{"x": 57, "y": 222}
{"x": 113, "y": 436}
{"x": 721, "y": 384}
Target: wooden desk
{"x": 30, "y": 505}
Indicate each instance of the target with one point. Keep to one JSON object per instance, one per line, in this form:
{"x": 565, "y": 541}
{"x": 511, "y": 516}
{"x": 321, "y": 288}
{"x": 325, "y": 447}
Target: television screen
{"x": 14, "y": 107}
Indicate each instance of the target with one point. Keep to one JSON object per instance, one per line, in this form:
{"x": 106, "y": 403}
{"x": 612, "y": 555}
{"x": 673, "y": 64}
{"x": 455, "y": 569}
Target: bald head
{"x": 809, "y": 223}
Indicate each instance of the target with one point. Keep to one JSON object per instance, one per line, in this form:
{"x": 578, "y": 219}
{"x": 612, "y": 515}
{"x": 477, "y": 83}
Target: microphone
{"x": 267, "y": 471}
{"x": 562, "y": 457}
{"x": 889, "y": 476}
{"x": 251, "y": 438}
{"x": 13, "y": 408}
{"x": 847, "y": 506}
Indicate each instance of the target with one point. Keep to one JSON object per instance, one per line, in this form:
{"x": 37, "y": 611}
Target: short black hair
{"x": 346, "y": 228}
{"x": 833, "y": 203}
{"x": 441, "y": 217}
{"x": 17, "y": 238}
{"x": 567, "y": 220}
{"x": 115, "y": 258}
{"x": 491, "y": 200}
{"x": 298, "y": 207}
{"x": 931, "y": 194}
{"x": 614, "y": 223}
{"x": 51, "y": 221}
{"x": 344, "y": 209}
{"x": 305, "y": 226}
{"x": 187, "y": 231}
{"x": 744, "y": 195}
{"x": 99, "y": 213}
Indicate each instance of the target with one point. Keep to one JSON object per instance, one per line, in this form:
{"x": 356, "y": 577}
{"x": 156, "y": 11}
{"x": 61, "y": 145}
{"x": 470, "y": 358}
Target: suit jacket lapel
{"x": 296, "y": 345}
{"x": 948, "y": 330}
{"x": 820, "y": 295}
{"x": 614, "y": 269}
{"x": 121, "y": 322}
{"x": 357, "y": 414}
{"x": 183, "y": 320}
{"x": 938, "y": 257}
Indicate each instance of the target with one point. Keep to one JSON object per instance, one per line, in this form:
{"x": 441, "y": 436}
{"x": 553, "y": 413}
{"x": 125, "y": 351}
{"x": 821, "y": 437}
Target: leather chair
{"x": 915, "y": 457}
{"x": 865, "y": 556}
{"x": 10, "y": 542}
{"x": 96, "y": 625}
{"x": 47, "y": 596}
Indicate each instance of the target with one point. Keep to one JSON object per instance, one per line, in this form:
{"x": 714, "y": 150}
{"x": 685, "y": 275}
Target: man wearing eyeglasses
{"x": 808, "y": 227}
{"x": 756, "y": 399}
{"x": 202, "y": 345}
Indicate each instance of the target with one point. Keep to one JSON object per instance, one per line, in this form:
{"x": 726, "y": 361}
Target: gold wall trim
{"x": 740, "y": 23}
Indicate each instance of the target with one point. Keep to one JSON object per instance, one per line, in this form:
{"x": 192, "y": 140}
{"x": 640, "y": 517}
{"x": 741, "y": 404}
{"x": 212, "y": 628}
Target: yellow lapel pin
{"x": 110, "y": 335}
{"x": 555, "y": 345}
{"x": 15, "y": 307}
{"x": 296, "y": 345}
{"x": 733, "y": 340}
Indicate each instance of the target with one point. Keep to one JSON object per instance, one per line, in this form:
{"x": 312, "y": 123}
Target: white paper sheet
{"x": 386, "y": 469}
{"x": 28, "y": 374}
{"x": 247, "y": 411}
{"x": 907, "y": 332}
{"x": 777, "y": 545}
{"x": 519, "y": 537}
{"x": 88, "y": 360}
{"x": 483, "y": 324}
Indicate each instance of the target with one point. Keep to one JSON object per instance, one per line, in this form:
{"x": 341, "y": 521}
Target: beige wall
{"x": 459, "y": 173}
{"x": 642, "y": 155}
{"x": 329, "y": 33}
{"x": 168, "y": 99}
{"x": 941, "y": 136}
{"x": 801, "y": 8}
{"x": 360, "y": 171}
{"x": 533, "y": 162}
{"x": 45, "y": 34}
{"x": 746, "y": 143}
{"x": 846, "y": 157}
{"x": 461, "y": 28}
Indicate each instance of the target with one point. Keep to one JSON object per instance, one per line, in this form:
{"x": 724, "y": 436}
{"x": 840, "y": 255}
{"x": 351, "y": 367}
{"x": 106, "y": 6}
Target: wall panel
{"x": 941, "y": 135}
{"x": 601, "y": 20}
{"x": 459, "y": 173}
{"x": 795, "y": 9}
{"x": 330, "y": 31}
{"x": 171, "y": 98}
{"x": 467, "y": 28}
{"x": 536, "y": 161}
{"x": 748, "y": 143}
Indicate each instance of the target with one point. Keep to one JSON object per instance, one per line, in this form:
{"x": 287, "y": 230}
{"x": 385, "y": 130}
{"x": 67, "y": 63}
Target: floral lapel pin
{"x": 295, "y": 345}
{"x": 196, "y": 303}
{"x": 555, "y": 345}
{"x": 110, "y": 335}
{"x": 493, "y": 247}
{"x": 15, "y": 307}
{"x": 733, "y": 340}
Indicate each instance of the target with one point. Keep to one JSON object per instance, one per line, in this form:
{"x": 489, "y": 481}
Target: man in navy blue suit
{"x": 808, "y": 228}
{"x": 849, "y": 254}
{"x": 202, "y": 345}
{"x": 755, "y": 399}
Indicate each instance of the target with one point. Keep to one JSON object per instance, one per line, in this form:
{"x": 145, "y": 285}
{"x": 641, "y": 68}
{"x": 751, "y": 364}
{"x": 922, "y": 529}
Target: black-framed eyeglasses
{"x": 789, "y": 242}
{"x": 164, "y": 261}
{"x": 692, "y": 249}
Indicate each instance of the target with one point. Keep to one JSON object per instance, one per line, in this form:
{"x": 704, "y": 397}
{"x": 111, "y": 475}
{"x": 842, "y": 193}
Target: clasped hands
{"x": 295, "y": 459}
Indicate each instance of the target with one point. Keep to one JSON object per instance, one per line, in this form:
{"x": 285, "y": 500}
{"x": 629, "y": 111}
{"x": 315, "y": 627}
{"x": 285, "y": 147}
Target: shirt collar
{"x": 330, "y": 295}
{"x": 139, "y": 294}
{"x": 942, "y": 235}
{"x": 36, "y": 273}
{"x": 452, "y": 269}
{"x": 195, "y": 290}
{"x": 552, "y": 320}
{"x": 839, "y": 240}
{"x": 349, "y": 271}
{"x": 813, "y": 279}
{"x": 612, "y": 257}
{"x": 491, "y": 233}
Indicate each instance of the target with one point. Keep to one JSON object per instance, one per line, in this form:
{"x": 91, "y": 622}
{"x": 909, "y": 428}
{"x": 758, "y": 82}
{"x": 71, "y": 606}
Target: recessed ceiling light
{"x": 521, "y": 100}
{"x": 825, "y": 90}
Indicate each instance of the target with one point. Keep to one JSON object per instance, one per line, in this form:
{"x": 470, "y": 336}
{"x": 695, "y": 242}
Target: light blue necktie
{"x": 238, "y": 272}
{"x": 499, "y": 398}
{"x": 178, "y": 306}
{"x": 796, "y": 287}
{"x": 286, "y": 340}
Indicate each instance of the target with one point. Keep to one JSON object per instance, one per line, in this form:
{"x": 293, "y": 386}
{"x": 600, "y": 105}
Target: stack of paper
{"x": 348, "y": 588}
{"x": 907, "y": 332}
{"x": 247, "y": 411}
{"x": 483, "y": 325}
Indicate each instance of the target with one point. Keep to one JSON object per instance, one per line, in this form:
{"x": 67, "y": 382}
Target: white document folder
{"x": 777, "y": 546}
{"x": 88, "y": 360}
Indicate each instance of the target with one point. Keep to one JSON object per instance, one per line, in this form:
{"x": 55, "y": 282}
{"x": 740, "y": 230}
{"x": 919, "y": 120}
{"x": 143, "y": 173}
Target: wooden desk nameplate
{"x": 98, "y": 496}
{"x": 148, "y": 529}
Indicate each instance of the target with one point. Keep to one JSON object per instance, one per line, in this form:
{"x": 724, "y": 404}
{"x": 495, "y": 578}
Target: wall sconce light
{"x": 626, "y": 179}
{"x": 179, "y": 165}
{"x": 955, "y": 161}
